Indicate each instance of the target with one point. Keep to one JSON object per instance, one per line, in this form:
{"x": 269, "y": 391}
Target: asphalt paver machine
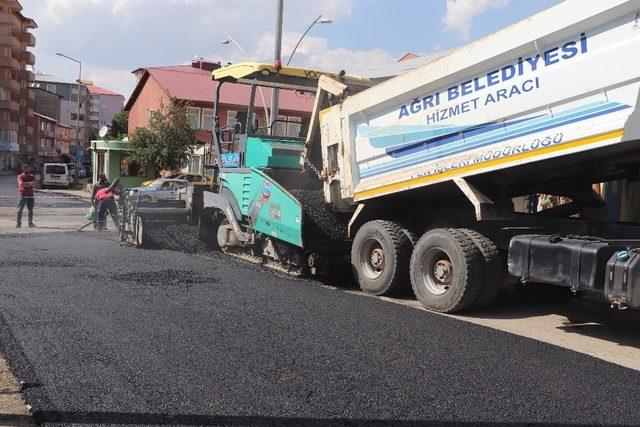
{"x": 267, "y": 203}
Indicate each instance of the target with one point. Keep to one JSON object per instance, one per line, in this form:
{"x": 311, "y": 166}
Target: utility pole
{"x": 75, "y": 175}
{"x": 275, "y": 95}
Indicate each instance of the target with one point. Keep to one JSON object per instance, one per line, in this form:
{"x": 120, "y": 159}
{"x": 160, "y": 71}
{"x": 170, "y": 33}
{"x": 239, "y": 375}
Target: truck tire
{"x": 493, "y": 269}
{"x": 446, "y": 270}
{"x": 380, "y": 256}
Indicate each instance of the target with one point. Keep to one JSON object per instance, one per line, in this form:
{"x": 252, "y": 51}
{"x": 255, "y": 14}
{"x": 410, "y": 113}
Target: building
{"x": 68, "y": 106}
{"x": 17, "y": 122}
{"x": 47, "y": 109}
{"x": 193, "y": 85}
{"x": 103, "y": 105}
{"x": 110, "y": 158}
{"x": 46, "y": 127}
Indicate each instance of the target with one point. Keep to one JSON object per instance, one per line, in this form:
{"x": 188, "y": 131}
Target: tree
{"x": 167, "y": 142}
{"x": 120, "y": 125}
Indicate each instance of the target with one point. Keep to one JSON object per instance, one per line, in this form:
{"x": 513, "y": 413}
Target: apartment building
{"x": 69, "y": 116}
{"x": 17, "y": 121}
{"x": 54, "y": 137}
{"x": 103, "y": 105}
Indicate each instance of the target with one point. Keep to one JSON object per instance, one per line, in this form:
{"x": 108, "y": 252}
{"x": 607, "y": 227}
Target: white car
{"x": 56, "y": 175}
{"x": 164, "y": 189}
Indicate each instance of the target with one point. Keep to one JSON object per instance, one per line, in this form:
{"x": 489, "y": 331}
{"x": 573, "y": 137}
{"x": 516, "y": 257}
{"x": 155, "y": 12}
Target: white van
{"x": 56, "y": 175}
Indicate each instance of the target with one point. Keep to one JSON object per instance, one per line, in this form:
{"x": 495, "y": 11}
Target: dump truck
{"x": 416, "y": 181}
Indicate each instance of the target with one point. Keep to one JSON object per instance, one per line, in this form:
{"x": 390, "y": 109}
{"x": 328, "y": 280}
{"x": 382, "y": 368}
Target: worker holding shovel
{"x": 106, "y": 203}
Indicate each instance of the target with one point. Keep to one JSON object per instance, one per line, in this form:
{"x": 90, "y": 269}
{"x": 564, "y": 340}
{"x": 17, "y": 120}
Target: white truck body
{"x": 561, "y": 82}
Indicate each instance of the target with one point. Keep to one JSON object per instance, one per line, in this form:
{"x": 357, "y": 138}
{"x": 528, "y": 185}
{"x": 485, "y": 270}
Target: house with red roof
{"x": 193, "y": 85}
{"x": 103, "y": 105}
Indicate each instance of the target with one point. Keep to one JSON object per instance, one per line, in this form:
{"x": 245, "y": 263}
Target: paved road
{"x": 50, "y": 198}
{"x": 162, "y": 337}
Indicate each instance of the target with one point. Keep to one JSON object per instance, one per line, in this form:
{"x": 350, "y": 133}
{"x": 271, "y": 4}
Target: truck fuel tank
{"x": 575, "y": 262}
{"x": 622, "y": 283}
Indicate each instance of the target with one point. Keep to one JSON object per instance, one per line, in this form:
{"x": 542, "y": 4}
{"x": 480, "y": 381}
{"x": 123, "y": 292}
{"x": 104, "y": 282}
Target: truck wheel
{"x": 493, "y": 269}
{"x": 446, "y": 270}
{"x": 380, "y": 257}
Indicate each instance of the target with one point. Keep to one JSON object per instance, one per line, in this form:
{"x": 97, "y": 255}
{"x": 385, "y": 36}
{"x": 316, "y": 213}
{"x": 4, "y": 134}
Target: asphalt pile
{"x": 175, "y": 236}
{"x": 319, "y": 220}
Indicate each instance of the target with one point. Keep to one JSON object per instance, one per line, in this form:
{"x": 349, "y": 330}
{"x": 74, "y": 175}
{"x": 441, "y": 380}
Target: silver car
{"x": 165, "y": 189}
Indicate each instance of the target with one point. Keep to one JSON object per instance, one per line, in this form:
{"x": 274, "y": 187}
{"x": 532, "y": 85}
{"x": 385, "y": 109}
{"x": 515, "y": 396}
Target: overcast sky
{"x": 114, "y": 37}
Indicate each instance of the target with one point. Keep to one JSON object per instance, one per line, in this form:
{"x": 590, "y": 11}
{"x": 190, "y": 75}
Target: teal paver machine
{"x": 266, "y": 203}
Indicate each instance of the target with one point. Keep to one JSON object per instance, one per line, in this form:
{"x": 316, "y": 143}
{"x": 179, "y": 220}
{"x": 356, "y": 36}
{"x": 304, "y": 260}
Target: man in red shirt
{"x": 26, "y": 183}
{"x": 106, "y": 203}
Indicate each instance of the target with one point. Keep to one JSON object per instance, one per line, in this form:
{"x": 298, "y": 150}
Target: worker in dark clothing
{"x": 106, "y": 204}
{"x": 102, "y": 183}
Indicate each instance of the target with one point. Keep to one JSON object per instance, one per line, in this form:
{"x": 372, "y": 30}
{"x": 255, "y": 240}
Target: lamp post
{"x": 75, "y": 175}
{"x": 319, "y": 20}
{"x": 229, "y": 39}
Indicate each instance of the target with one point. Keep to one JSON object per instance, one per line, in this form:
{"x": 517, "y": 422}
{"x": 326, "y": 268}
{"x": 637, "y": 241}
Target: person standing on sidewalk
{"x": 26, "y": 183}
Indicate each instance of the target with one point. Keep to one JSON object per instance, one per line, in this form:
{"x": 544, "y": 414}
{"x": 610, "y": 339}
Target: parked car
{"x": 163, "y": 189}
{"x": 194, "y": 178}
{"x": 56, "y": 175}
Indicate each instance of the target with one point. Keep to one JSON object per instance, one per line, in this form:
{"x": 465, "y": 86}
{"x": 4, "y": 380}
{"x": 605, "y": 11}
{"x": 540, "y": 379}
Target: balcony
{"x": 10, "y": 84}
{"x": 10, "y": 63}
{"x": 27, "y": 38}
{"x": 10, "y": 19}
{"x": 10, "y": 41}
{"x": 9, "y": 105}
{"x": 9, "y": 126}
{"x": 27, "y": 57}
{"x": 28, "y": 76}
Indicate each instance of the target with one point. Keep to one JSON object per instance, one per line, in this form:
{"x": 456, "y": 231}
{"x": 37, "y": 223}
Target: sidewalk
{"x": 13, "y": 409}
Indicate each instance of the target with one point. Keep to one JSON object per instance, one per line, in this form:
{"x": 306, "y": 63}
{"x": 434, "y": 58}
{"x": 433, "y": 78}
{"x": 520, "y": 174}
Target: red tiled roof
{"x": 195, "y": 85}
{"x": 95, "y": 90}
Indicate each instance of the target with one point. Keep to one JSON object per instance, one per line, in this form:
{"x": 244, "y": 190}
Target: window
{"x": 207, "y": 119}
{"x": 293, "y": 127}
{"x": 2, "y": 97}
{"x": 231, "y": 117}
{"x": 195, "y": 168}
{"x": 193, "y": 117}
{"x": 128, "y": 168}
{"x": 51, "y": 88}
{"x": 287, "y": 126}
{"x": 150, "y": 115}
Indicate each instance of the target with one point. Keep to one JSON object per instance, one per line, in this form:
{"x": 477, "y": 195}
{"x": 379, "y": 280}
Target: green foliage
{"x": 120, "y": 125}
{"x": 168, "y": 140}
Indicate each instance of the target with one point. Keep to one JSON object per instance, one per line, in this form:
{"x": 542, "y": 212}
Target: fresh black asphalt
{"x": 114, "y": 335}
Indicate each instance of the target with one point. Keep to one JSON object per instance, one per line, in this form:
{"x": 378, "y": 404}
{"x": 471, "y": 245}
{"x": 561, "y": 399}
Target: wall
{"x": 148, "y": 99}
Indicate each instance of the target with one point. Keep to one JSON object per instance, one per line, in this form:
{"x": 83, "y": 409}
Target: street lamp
{"x": 319, "y": 20}
{"x": 75, "y": 175}
{"x": 228, "y": 40}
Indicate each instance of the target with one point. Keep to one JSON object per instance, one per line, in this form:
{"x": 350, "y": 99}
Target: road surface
{"x": 107, "y": 334}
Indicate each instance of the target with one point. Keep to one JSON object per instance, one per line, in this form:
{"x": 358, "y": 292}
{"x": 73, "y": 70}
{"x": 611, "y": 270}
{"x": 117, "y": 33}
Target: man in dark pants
{"x": 106, "y": 204}
{"x": 26, "y": 183}
{"x": 103, "y": 182}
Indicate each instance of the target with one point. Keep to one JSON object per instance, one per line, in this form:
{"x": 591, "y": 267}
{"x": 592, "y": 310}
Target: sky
{"x": 114, "y": 37}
